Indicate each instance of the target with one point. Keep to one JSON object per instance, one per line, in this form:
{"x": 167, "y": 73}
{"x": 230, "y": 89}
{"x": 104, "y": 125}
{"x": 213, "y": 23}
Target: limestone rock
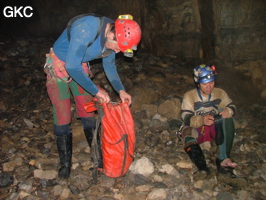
{"x": 170, "y": 108}
{"x": 185, "y": 164}
{"x": 142, "y": 96}
{"x": 48, "y": 174}
{"x": 142, "y": 166}
{"x": 6, "y": 179}
{"x": 169, "y": 169}
{"x": 150, "y": 109}
{"x": 157, "y": 194}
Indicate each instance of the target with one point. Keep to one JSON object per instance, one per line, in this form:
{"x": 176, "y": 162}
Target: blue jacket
{"x": 83, "y": 31}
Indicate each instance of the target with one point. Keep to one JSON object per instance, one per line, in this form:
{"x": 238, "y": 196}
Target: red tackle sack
{"x": 117, "y": 136}
{"x": 118, "y": 139}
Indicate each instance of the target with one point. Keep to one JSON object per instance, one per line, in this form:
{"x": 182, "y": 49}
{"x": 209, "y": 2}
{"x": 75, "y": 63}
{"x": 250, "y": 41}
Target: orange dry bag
{"x": 117, "y": 136}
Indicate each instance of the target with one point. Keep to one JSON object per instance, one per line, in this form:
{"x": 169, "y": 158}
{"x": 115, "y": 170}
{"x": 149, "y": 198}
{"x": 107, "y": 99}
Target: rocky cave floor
{"x": 29, "y": 158}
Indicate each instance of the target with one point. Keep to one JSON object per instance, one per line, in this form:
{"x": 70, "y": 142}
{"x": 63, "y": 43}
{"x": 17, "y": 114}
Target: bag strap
{"x": 69, "y": 25}
{"x": 125, "y": 139}
{"x": 95, "y": 154}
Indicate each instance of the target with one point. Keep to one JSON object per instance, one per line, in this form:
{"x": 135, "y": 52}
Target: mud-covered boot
{"x": 89, "y": 135}
{"x": 218, "y": 121}
{"x": 197, "y": 157}
{"x": 64, "y": 147}
{"x": 100, "y": 160}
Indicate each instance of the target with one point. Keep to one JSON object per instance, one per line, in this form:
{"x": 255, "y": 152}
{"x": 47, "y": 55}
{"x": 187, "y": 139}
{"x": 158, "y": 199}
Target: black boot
{"x": 218, "y": 121}
{"x": 89, "y": 136}
{"x": 197, "y": 157}
{"x": 64, "y": 147}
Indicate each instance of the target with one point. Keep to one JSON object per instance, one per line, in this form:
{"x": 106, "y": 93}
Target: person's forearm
{"x": 83, "y": 80}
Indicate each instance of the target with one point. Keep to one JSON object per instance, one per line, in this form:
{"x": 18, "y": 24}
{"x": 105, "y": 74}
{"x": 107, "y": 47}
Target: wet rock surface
{"x": 161, "y": 169}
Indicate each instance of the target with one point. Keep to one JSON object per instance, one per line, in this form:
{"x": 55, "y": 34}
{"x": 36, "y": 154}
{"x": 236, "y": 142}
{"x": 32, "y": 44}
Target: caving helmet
{"x": 128, "y": 34}
{"x": 204, "y": 73}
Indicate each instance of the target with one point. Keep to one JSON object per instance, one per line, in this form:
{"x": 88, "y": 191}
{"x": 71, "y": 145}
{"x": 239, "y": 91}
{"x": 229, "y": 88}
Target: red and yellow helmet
{"x": 128, "y": 33}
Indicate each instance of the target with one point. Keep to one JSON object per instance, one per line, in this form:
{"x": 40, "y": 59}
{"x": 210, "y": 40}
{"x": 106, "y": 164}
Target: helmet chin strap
{"x": 112, "y": 41}
{"x": 106, "y": 36}
{"x": 108, "y": 32}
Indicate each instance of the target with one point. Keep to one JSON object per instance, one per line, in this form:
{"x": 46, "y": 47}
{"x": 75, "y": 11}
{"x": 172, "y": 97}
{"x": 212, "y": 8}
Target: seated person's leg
{"x": 192, "y": 147}
{"x": 224, "y": 159}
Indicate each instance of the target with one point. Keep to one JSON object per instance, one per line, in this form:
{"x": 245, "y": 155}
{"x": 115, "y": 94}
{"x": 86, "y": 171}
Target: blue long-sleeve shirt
{"x": 76, "y": 51}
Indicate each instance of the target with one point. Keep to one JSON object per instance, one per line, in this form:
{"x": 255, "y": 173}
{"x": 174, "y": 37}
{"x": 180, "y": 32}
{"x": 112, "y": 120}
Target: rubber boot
{"x": 89, "y": 136}
{"x": 197, "y": 157}
{"x": 64, "y": 147}
{"x": 218, "y": 121}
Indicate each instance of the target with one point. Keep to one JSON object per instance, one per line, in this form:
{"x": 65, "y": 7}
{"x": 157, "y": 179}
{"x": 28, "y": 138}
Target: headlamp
{"x": 128, "y": 53}
{"x": 208, "y": 76}
{"x": 125, "y": 17}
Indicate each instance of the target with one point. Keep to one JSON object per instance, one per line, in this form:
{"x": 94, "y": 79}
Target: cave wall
{"x": 54, "y": 15}
{"x": 173, "y": 28}
{"x": 233, "y": 30}
{"x": 240, "y": 29}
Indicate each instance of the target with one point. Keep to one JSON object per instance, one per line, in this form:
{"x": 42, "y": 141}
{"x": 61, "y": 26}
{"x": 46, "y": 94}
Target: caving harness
{"x": 54, "y": 67}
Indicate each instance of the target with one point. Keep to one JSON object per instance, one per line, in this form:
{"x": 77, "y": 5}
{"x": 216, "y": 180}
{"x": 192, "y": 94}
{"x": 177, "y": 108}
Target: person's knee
{"x": 189, "y": 140}
{"x": 88, "y": 122}
{"x": 188, "y": 131}
{"x": 62, "y": 129}
{"x": 229, "y": 122}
